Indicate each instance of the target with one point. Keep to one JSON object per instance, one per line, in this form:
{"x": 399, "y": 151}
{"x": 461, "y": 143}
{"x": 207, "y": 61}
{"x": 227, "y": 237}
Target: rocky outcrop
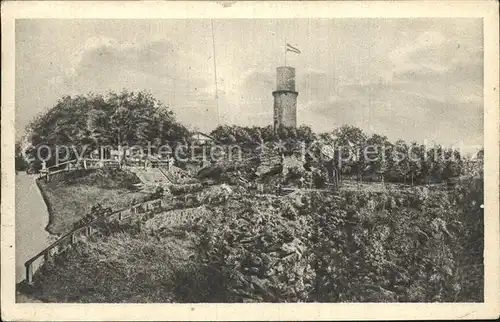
{"x": 266, "y": 253}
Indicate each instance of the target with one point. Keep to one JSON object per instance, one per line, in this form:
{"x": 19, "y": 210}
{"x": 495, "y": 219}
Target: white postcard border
{"x": 164, "y": 10}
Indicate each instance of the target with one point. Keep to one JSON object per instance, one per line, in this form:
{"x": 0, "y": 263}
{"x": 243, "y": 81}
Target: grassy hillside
{"x": 357, "y": 246}
{"x": 134, "y": 264}
{"x": 71, "y": 195}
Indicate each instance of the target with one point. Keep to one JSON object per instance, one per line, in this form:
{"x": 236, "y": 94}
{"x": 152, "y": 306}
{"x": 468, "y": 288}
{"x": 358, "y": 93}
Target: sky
{"x": 412, "y": 79}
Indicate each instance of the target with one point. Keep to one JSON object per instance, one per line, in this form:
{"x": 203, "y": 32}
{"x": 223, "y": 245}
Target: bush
{"x": 179, "y": 189}
{"x": 361, "y": 247}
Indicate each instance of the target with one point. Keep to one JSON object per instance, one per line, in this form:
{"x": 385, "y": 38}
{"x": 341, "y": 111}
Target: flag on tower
{"x": 292, "y": 49}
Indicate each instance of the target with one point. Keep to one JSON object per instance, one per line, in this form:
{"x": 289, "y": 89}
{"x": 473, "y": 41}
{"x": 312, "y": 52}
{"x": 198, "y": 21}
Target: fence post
{"x": 46, "y": 256}
{"x": 29, "y": 273}
{"x": 73, "y": 238}
{"x": 120, "y": 216}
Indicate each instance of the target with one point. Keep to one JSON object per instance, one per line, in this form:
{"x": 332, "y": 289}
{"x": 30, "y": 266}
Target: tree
{"x": 401, "y": 164}
{"x": 20, "y": 162}
{"x": 452, "y": 164}
{"x": 268, "y": 134}
{"x": 437, "y": 162}
{"x": 224, "y": 134}
{"x": 64, "y": 124}
{"x": 255, "y": 134}
{"x": 117, "y": 120}
{"x": 350, "y": 141}
{"x": 305, "y": 134}
{"x": 415, "y": 152}
{"x": 426, "y": 167}
{"x": 378, "y": 146}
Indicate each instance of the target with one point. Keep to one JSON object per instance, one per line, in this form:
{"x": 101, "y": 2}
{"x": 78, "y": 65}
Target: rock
{"x": 295, "y": 246}
{"x": 258, "y": 284}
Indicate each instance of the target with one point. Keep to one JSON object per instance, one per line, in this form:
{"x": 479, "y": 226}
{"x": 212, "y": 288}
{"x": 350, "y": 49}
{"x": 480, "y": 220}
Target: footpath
{"x": 150, "y": 177}
{"x": 32, "y": 217}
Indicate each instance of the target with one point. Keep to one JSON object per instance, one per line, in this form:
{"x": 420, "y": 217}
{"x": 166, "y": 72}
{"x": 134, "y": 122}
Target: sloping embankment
{"x": 70, "y": 196}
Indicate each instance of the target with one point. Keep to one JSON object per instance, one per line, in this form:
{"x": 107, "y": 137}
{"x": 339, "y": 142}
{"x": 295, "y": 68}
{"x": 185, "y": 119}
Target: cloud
{"x": 459, "y": 83}
{"x": 250, "y": 100}
{"x": 410, "y": 115}
{"x": 157, "y": 58}
{"x": 178, "y": 78}
{"x": 91, "y": 44}
{"x": 444, "y": 54}
{"x": 426, "y": 74}
{"x": 109, "y": 62}
{"x": 433, "y": 57}
{"x": 402, "y": 57}
{"x": 258, "y": 78}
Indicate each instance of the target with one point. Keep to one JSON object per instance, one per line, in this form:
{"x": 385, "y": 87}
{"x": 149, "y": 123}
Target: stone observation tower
{"x": 285, "y": 98}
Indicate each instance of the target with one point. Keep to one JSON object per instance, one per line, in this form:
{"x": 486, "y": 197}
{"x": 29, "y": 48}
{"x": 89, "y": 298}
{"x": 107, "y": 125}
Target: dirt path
{"x": 31, "y": 219}
{"x": 150, "y": 176}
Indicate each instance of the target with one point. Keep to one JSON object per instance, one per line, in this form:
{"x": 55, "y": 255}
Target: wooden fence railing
{"x": 60, "y": 245}
{"x": 77, "y": 164}
{"x": 89, "y": 164}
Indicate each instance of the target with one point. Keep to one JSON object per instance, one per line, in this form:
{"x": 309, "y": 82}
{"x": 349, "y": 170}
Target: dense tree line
{"x": 371, "y": 158}
{"x": 251, "y": 137}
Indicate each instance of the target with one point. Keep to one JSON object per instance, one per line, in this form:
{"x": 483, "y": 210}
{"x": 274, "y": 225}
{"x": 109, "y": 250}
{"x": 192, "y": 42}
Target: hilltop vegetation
{"x": 366, "y": 158}
{"x": 423, "y": 246}
{"x": 84, "y": 123}
{"x": 353, "y": 247}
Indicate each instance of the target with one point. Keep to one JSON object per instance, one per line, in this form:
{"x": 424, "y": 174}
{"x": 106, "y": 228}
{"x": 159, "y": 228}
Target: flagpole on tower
{"x": 215, "y": 72}
{"x": 285, "y": 51}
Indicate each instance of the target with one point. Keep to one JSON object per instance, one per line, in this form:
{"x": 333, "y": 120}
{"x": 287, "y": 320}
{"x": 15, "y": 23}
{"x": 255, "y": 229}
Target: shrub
{"x": 179, "y": 189}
